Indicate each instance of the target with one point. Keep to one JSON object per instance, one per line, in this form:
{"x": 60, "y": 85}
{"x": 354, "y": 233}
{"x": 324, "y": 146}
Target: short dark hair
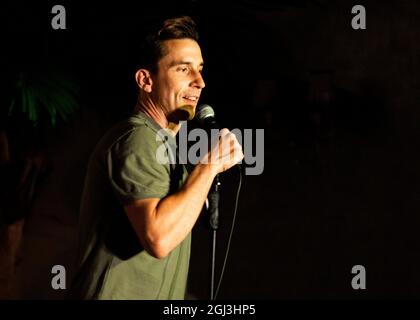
{"x": 152, "y": 49}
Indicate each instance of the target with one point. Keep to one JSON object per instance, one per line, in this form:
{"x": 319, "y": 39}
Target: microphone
{"x": 204, "y": 114}
{"x": 205, "y": 117}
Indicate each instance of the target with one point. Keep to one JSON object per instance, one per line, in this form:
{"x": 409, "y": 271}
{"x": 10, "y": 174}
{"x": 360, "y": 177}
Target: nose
{"x": 198, "y": 80}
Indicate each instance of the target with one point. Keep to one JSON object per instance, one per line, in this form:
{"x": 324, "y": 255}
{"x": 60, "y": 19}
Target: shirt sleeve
{"x": 133, "y": 167}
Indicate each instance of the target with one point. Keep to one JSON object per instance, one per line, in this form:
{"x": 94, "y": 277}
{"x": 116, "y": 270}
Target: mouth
{"x": 191, "y": 99}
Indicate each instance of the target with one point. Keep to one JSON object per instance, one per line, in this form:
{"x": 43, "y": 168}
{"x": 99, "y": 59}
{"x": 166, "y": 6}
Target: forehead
{"x": 186, "y": 50}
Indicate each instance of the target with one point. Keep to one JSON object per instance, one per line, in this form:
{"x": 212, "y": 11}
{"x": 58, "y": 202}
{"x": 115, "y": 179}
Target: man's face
{"x": 178, "y": 81}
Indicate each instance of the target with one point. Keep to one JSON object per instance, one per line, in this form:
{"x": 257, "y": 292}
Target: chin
{"x": 182, "y": 113}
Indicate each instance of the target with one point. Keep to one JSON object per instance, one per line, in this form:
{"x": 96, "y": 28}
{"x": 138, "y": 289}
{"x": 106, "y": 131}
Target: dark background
{"x": 340, "y": 112}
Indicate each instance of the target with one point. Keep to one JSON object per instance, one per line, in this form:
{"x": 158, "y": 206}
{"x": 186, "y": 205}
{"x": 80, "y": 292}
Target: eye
{"x": 182, "y": 69}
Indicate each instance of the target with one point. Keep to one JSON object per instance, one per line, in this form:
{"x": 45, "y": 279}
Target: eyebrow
{"x": 177, "y": 63}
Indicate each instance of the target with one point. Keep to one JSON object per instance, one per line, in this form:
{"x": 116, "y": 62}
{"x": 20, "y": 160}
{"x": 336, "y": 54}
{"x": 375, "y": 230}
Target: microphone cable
{"x": 231, "y": 231}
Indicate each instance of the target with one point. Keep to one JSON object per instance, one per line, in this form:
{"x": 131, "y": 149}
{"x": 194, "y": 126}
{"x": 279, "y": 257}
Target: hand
{"x": 225, "y": 152}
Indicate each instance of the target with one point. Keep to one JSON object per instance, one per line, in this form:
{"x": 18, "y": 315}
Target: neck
{"x": 158, "y": 116}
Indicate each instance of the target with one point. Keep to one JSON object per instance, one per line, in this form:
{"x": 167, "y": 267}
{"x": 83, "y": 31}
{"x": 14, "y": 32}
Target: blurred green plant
{"x": 49, "y": 91}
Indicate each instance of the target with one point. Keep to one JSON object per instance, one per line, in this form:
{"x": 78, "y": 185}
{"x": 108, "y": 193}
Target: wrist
{"x": 208, "y": 168}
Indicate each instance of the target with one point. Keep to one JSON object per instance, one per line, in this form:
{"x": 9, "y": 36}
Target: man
{"x": 137, "y": 213}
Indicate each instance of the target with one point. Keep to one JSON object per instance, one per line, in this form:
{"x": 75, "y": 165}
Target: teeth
{"x": 191, "y": 98}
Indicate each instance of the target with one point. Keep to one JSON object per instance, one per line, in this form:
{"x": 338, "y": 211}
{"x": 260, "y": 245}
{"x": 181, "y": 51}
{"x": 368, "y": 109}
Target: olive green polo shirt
{"x": 124, "y": 168}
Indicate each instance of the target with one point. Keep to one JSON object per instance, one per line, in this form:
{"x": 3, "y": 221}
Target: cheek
{"x": 174, "y": 89}
{"x": 162, "y": 91}
{"x": 170, "y": 89}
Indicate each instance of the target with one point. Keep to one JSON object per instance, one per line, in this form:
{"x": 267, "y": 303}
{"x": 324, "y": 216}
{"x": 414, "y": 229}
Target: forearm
{"x": 175, "y": 215}
{"x": 162, "y": 224}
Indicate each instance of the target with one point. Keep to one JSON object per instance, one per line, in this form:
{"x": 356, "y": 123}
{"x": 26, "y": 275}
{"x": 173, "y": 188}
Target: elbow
{"x": 158, "y": 252}
{"x": 157, "y": 248}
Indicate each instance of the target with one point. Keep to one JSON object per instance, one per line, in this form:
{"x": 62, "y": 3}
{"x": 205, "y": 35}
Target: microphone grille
{"x": 203, "y": 111}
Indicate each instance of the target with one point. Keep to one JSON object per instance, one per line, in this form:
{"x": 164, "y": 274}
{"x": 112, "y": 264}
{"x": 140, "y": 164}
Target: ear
{"x": 144, "y": 80}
